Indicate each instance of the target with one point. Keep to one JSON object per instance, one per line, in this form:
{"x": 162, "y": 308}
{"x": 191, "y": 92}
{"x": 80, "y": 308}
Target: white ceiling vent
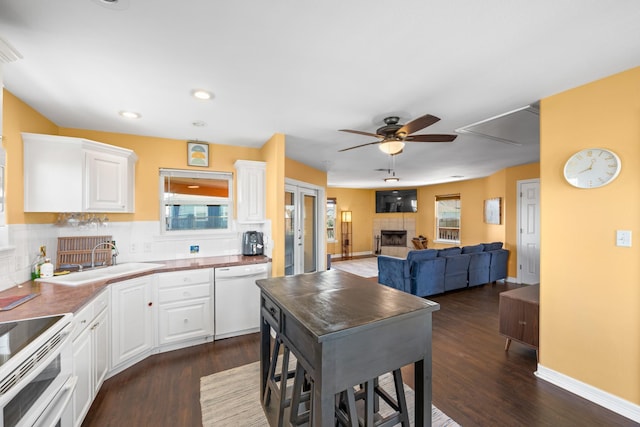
{"x": 8, "y": 53}
{"x": 517, "y": 127}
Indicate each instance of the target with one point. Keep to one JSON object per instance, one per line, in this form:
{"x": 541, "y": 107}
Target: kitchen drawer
{"x": 185, "y": 277}
{"x": 271, "y": 312}
{"x": 82, "y": 319}
{"x": 180, "y": 293}
{"x": 100, "y": 302}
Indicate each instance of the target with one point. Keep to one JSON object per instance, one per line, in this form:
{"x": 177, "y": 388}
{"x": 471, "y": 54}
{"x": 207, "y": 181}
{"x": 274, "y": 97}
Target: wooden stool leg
{"x": 302, "y": 392}
{"x": 284, "y": 377}
{"x": 402, "y": 400}
{"x": 369, "y": 404}
{"x": 507, "y": 344}
{"x": 272, "y": 372}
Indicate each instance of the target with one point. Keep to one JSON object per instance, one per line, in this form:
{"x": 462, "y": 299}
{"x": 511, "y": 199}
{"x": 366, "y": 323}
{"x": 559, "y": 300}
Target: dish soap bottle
{"x": 46, "y": 269}
{"x": 40, "y": 258}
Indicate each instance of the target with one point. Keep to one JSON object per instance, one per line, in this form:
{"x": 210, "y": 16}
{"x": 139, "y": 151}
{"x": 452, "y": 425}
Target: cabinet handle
{"x": 83, "y": 321}
{"x": 150, "y": 304}
{"x": 521, "y": 322}
{"x": 272, "y": 310}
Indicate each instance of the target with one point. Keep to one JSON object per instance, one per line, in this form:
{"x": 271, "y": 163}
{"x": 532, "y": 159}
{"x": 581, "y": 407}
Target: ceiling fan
{"x": 392, "y": 136}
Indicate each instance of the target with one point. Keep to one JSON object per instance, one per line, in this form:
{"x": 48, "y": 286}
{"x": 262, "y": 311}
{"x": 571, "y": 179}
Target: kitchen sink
{"x": 101, "y": 273}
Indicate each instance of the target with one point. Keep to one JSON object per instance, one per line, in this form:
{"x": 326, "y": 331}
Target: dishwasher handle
{"x": 237, "y": 273}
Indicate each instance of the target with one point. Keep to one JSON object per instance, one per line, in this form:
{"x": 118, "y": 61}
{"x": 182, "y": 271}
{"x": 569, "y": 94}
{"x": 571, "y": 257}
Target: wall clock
{"x": 592, "y": 168}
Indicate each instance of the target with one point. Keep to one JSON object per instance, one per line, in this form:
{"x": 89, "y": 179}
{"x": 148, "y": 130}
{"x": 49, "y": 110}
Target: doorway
{"x": 529, "y": 231}
{"x": 304, "y": 216}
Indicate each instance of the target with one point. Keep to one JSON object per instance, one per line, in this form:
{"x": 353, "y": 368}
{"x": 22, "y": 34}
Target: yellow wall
{"x": 361, "y": 203}
{"x": 301, "y": 172}
{"x": 273, "y": 153}
{"x": 156, "y": 153}
{"x": 590, "y": 288}
{"x": 19, "y": 117}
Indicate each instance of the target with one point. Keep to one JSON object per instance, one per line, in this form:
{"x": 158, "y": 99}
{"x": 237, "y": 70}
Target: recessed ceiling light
{"x": 193, "y": 186}
{"x": 113, "y": 4}
{"x": 130, "y": 114}
{"x": 201, "y": 94}
{"x": 393, "y": 179}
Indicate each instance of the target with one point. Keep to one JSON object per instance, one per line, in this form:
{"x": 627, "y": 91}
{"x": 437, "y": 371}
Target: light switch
{"x": 623, "y": 238}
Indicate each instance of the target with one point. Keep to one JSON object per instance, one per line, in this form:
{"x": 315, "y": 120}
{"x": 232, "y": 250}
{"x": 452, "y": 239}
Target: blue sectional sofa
{"x": 431, "y": 271}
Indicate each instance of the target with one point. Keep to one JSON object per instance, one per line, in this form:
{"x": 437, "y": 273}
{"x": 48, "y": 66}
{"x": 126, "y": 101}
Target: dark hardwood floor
{"x": 475, "y": 381}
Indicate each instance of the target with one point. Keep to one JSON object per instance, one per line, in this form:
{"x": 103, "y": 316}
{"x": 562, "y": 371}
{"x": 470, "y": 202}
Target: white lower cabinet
{"x": 132, "y": 325}
{"x": 185, "y": 304}
{"x": 90, "y": 353}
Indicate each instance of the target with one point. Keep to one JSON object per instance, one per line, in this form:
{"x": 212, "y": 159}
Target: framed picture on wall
{"x": 198, "y": 154}
{"x": 493, "y": 211}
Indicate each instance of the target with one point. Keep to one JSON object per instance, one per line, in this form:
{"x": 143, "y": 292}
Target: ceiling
{"x": 308, "y": 68}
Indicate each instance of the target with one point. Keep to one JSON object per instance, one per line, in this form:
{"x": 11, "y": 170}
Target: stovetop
{"x": 14, "y": 336}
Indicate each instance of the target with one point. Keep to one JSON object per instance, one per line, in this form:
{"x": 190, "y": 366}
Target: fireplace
{"x": 396, "y": 238}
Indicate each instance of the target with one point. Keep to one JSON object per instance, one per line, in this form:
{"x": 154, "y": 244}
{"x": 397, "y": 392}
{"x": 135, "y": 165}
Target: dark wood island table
{"x": 346, "y": 330}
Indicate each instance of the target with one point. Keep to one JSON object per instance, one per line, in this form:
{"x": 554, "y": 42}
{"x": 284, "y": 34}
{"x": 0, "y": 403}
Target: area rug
{"x": 231, "y": 398}
{"x": 364, "y": 267}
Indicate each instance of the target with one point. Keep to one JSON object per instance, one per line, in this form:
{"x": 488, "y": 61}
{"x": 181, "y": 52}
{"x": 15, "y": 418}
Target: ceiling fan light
{"x": 391, "y": 147}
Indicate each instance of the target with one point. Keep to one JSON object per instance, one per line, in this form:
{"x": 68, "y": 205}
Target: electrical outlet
{"x": 147, "y": 247}
{"x": 623, "y": 238}
{"x": 133, "y": 248}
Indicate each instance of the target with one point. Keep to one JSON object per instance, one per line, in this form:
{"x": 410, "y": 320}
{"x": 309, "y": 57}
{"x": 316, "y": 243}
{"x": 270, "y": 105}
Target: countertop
{"x": 57, "y": 299}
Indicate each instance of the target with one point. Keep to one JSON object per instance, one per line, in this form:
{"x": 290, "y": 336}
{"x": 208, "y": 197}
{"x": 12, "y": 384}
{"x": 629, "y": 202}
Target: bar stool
{"x": 346, "y": 410}
{"x": 277, "y": 381}
{"x": 302, "y": 393}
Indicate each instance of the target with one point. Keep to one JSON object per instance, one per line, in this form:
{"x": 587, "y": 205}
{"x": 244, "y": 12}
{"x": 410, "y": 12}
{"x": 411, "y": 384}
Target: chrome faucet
{"x": 93, "y": 252}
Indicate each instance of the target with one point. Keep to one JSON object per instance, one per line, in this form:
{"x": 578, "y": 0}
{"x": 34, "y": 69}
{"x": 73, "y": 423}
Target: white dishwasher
{"x": 237, "y": 299}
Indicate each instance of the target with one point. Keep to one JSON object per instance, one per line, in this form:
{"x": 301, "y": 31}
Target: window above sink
{"x": 195, "y": 201}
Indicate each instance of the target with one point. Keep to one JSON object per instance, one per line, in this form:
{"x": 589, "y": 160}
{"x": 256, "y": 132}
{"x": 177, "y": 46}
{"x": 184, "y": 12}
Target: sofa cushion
{"x": 473, "y": 249}
{"x": 421, "y": 254}
{"x": 450, "y": 251}
{"x": 492, "y": 246}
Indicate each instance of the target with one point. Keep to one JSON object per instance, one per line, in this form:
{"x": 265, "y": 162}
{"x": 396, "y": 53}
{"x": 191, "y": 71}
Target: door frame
{"x": 321, "y": 202}
{"x": 519, "y": 185}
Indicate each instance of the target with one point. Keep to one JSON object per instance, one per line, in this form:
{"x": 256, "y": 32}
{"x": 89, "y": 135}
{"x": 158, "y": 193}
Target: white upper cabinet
{"x": 66, "y": 174}
{"x": 251, "y": 187}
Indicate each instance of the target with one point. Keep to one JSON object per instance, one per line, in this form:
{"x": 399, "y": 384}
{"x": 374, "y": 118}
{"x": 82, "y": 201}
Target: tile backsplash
{"x": 137, "y": 241}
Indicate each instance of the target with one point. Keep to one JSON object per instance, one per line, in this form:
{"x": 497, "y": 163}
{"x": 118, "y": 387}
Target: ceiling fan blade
{"x": 419, "y": 123}
{"x": 361, "y": 145}
{"x": 431, "y": 138}
{"x": 361, "y": 133}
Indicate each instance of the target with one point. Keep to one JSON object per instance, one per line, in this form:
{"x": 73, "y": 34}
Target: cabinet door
{"x": 100, "y": 338}
{"x": 185, "y": 320}
{"x": 132, "y": 319}
{"x": 251, "y": 191}
{"x": 106, "y": 182}
{"x": 83, "y": 393}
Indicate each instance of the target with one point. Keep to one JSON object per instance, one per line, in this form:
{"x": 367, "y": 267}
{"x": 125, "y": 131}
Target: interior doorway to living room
{"x": 529, "y": 235}
{"x": 304, "y": 241}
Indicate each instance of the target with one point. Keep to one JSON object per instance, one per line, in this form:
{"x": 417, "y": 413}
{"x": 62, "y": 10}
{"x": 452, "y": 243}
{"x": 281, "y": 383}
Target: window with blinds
{"x": 448, "y": 218}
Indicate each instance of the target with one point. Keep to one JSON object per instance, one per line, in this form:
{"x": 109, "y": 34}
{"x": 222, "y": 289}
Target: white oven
{"x": 36, "y": 381}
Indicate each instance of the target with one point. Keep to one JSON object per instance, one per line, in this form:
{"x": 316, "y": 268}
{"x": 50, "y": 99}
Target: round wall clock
{"x": 592, "y": 168}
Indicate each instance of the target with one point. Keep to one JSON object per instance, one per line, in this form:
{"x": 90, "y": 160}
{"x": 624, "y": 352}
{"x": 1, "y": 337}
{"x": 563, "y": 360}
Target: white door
{"x": 304, "y": 247}
{"x": 529, "y": 236}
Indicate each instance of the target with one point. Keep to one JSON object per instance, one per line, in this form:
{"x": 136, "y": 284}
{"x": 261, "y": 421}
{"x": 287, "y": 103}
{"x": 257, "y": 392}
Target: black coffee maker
{"x": 252, "y": 243}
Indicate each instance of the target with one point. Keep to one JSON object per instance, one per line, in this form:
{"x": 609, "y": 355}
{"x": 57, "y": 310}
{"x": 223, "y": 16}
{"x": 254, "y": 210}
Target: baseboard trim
{"x": 593, "y": 394}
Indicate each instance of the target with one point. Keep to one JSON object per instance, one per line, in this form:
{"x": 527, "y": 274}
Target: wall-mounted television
{"x": 397, "y": 200}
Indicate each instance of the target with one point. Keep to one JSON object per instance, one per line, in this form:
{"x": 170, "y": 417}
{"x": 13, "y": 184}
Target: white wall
{"x": 137, "y": 242}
